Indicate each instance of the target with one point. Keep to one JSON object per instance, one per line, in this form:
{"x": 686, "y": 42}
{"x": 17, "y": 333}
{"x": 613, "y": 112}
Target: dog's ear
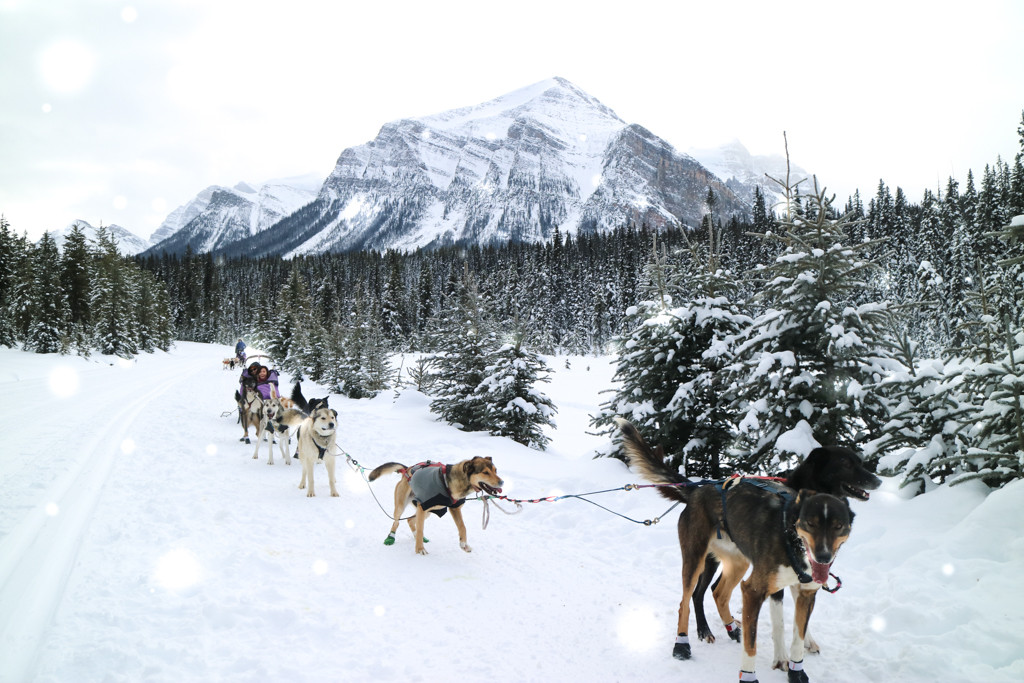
{"x": 469, "y": 468}
{"x": 804, "y": 494}
{"x": 335, "y": 412}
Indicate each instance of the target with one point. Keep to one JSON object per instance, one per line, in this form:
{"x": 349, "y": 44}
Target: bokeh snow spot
{"x": 320, "y": 567}
{"x": 177, "y": 570}
{"x": 878, "y": 624}
{"x": 211, "y": 449}
{"x": 638, "y": 629}
{"x": 128, "y": 446}
{"x": 52, "y": 509}
{"x": 948, "y": 569}
{"x": 379, "y": 611}
{"x": 64, "y": 381}
{"x": 129, "y": 14}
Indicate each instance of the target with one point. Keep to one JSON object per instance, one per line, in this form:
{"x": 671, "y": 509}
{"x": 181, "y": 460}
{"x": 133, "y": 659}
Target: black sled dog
{"x": 789, "y": 537}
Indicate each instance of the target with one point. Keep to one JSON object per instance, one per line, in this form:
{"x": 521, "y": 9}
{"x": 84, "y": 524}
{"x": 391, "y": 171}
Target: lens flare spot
{"x": 878, "y": 624}
{"x": 354, "y": 483}
{"x": 177, "y": 570}
{"x": 67, "y": 66}
{"x": 52, "y": 509}
{"x": 379, "y": 611}
{"x": 129, "y": 14}
{"x": 638, "y": 629}
{"x": 211, "y": 449}
{"x": 128, "y": 446}
{"x": 47, "y": 107}
{"x": 320, "y": 567}
{"x": 595, "y": 180}
{"x": 350, "y": 524}
{"x": 491, "y": 136}
{"x": 64, "y": 381}
{"x": 948, "y": 569}
{"x": 120, "y": 202}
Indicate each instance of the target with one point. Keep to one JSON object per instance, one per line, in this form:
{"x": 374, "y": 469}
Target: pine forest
{"x": 894, "y": 326}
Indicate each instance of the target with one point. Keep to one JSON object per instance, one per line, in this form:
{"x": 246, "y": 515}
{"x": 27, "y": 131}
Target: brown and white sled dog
{"x": 787, "y": 539}
{"x": 435, "y": 487}
{"x": 250, "y": 407}
{"x": 277, "y": 422}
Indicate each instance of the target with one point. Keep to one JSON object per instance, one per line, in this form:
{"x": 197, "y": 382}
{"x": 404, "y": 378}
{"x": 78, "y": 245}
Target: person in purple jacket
{"x": 265, "y": 377}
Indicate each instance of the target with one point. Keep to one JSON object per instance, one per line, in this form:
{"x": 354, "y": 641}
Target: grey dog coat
{"x": 429, "y": 488}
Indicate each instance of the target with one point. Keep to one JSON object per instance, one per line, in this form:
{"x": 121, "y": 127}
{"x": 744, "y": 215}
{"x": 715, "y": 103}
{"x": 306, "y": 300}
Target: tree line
{"x": 887, "y": 323}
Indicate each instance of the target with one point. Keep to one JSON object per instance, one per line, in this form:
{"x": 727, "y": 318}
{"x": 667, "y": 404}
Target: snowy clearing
{"x": 139, "y": 540}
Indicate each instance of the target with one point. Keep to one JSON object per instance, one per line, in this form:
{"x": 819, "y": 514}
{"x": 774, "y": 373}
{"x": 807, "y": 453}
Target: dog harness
{"x": 322, "y": 450}
{"x": 429, "y": 485}
{"x": 791, "y": 540}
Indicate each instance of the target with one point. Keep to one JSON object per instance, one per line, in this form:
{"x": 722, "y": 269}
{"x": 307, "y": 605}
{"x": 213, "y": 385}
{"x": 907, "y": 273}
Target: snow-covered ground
{"x": 139, "y": 540}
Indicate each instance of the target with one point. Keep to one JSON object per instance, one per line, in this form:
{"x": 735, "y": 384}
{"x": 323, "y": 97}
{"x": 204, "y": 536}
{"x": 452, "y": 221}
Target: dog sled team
{"x": 786, "y": 532}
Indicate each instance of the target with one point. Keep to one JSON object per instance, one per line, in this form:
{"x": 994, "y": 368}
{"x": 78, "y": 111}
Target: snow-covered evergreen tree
{"x": 111, "y": 303}
{"x": 807, "y": 364}
{"x": 11, "y": 255}
{"x": 670, "y": 369}
{"x": 48, "y": 331}
{"x": 513, "y": 405}
{"x": 466, "y": 345}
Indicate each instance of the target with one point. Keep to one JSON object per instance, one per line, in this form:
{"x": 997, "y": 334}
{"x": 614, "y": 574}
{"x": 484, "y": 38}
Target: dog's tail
{"x": 650, "y": 463}
{"x": 386, "y": 468}
{"x": 299, "y": 399}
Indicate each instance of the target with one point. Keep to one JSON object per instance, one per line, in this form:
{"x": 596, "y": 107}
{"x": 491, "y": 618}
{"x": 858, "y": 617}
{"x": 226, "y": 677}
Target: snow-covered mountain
{"x": 128, "y": 243}
{"x": 513, "y": 168}
{"x": 742, "y": 171}
{"x": 219, "y": 216}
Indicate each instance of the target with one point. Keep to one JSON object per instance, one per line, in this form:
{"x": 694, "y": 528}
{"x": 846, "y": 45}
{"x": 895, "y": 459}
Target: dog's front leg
{"x": 421, "y": 517}
{"x": 307, "y": 473}
{"x": 461, "y": 526}
{"x": 329, "y": 462}
{"x": 260, "y": 428}
{"x": 804, "y": 600}
{"x": 753, "y": 598}
{"x": 780, "y": 658}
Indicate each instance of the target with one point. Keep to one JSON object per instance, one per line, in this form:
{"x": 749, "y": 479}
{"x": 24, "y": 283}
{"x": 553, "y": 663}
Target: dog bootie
{"x": 796, "y": 673}
{"x": 733, "y": 630}
{"x": 681, "y": 649}
{"x": 390, "y": 540}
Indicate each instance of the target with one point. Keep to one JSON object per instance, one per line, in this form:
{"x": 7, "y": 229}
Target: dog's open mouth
{"x": 819, "y": 571}
{"x": 854, "y": 492}
{"x": 488, "y": 489}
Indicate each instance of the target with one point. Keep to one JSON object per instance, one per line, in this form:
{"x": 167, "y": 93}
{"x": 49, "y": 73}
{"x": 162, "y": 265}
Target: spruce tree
{"x": 807, "y": 364}
{"x": 513, "y": 406}
{"x": 10, "y": 256}
{"x": 110, "y": 300}
{"x": 48, "y": 331}
{"x": 466, "y": 345}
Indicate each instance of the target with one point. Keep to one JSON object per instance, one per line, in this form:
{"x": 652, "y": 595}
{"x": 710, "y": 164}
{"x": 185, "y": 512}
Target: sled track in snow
{"x": 41, "y": 549}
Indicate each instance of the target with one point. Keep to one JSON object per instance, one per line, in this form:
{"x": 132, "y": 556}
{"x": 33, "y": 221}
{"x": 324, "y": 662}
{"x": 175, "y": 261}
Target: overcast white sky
{"x": 118, "y": 111}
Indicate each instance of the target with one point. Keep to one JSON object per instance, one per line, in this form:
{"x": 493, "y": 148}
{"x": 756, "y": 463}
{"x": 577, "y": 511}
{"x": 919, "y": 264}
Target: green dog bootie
{"x": 390, "y": 540}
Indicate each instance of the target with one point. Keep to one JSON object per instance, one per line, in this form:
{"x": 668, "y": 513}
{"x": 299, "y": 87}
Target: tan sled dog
{"x": 434, "y": 487}
{"x": 317, "y": 437}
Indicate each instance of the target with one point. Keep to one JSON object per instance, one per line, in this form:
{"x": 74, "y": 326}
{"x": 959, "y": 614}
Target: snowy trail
{"x": 139, "y": 540}
{"x": 37, "y": 556}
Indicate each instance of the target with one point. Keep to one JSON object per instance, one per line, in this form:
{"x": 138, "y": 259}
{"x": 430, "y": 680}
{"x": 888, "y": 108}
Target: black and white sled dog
{"x": 278, "y": 420}
{"x": 788, "y": 533}
{"x": 317, "y": 439}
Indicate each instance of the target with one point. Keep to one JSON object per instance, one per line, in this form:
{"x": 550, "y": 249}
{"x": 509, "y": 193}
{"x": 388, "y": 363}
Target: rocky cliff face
{"x": 514, "y": 168}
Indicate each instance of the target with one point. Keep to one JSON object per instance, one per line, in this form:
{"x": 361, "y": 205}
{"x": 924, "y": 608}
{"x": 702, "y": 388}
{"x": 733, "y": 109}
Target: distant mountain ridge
{"x": 514, "y": 168}
{"x": 128, "y": 243}
{"x": 742, "y": 171}
{"x": 219, "y": 216}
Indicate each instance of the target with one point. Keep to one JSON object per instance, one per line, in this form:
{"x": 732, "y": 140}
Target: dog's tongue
{"x": 819, "y": 571}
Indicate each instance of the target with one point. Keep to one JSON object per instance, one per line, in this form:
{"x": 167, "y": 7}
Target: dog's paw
{"x": 465, "y": 546}
{"x": 421, "y": 551}
{"x": 705, "y": 634}
{"x": 681, "y": 651}
{"x": 781, "y": 664}
{"x": 390, "y": 540}
{"x": 310, "y": 494}
{"x": 734, "y": 631}
{"x": 797, "y": 676}
{"x": 811, "y": 646}
{"x": 335, "y": 494}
